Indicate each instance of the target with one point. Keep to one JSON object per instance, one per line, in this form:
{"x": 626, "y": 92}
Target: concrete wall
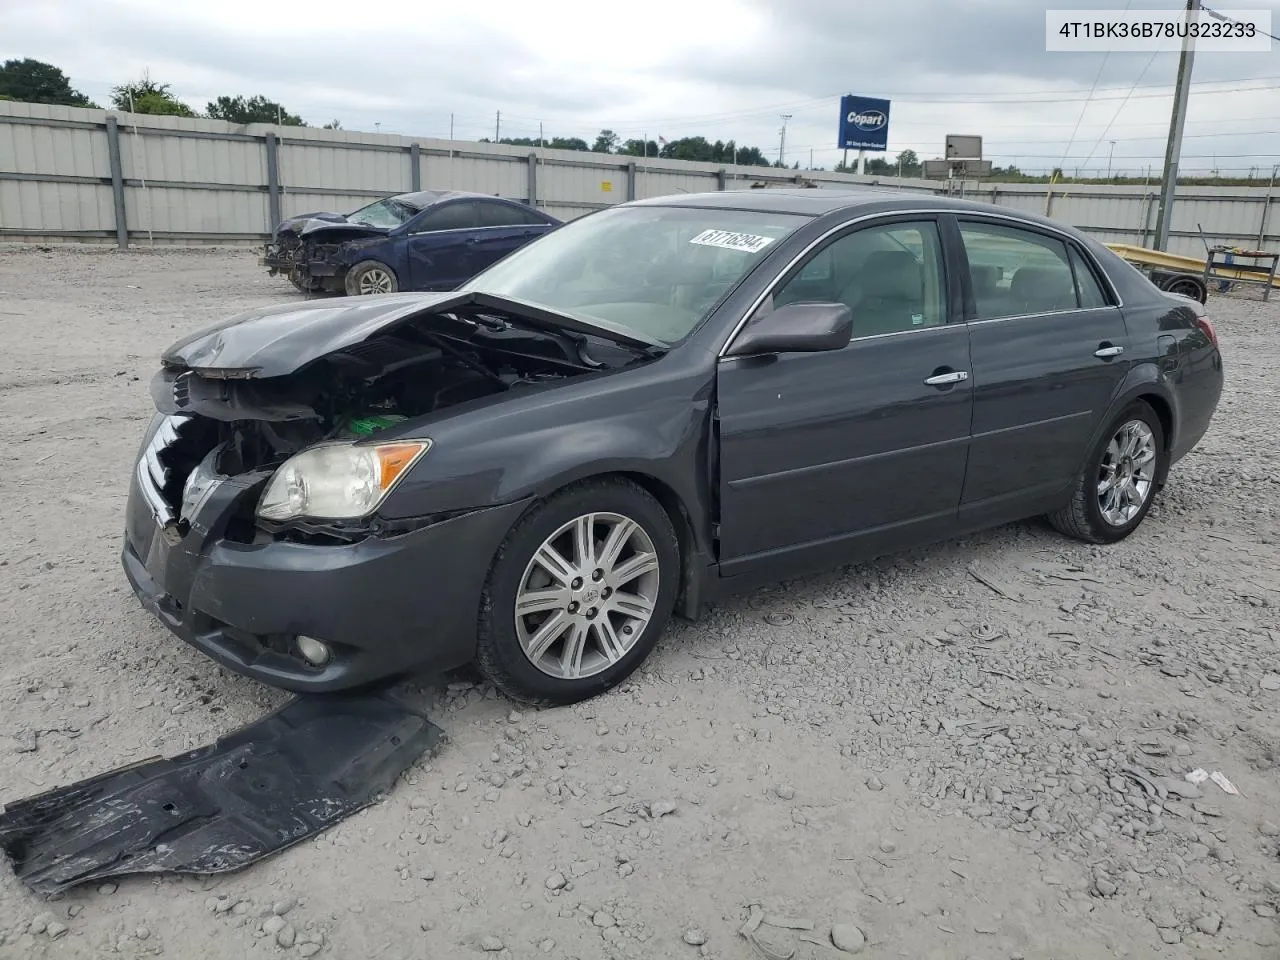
{"x": 73, "y": 174}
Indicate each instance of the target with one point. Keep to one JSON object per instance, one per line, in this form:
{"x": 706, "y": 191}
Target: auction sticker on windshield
{"x": 728, "y": 240}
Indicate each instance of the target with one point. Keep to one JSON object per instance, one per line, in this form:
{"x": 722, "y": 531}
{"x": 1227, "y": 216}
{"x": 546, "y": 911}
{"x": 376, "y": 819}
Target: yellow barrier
{"x": 1173, "y": 261}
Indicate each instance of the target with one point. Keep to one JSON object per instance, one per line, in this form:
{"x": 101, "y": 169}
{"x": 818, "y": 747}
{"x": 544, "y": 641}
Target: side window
{"x": 890, "y": 275}
{"x": 503, "y": 215}
{"x": 1016, "y": 272}
{"x": 450, "y": 216}
{"x": 1091, "y": 294}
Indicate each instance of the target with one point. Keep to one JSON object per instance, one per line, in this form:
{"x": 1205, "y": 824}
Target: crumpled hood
{"x": 294, "y": 225}
{"x": 276, "y": 341}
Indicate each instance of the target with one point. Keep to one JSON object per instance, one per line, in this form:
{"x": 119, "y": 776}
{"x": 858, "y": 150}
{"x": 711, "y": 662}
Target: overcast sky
{"x": 726, "y": 69}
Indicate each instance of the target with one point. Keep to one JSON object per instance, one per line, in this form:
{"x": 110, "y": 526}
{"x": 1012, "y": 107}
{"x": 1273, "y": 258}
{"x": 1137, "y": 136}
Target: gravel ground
{"x": 920, "y": 757}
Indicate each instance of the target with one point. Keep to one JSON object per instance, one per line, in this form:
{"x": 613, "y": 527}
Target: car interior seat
{"x": 1042, "y": 290}
{"x": 888, "y": 294}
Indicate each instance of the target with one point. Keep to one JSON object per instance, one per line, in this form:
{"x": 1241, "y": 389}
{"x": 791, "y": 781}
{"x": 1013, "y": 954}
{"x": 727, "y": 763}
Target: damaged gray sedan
{"x": 641, "y": 410}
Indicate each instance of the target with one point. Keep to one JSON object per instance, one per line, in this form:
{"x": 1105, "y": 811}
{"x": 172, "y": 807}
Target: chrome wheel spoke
{"x": 611, "y": 645}
{"x": 633, "y": 568}
{"x": 541, "y": 601}
{"x": 613, "y": 544}
{"x": 575, "y": 645}
{"x": 584, "y": 545}
{"x": 553, "y": 562}
{"x": 550, "y": 631}
{"x": 632, "y": 605}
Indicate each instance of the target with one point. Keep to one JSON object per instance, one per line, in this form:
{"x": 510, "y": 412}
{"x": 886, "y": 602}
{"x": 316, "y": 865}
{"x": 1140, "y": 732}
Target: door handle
{"x": 1107, "y": 351}
{"x": 942, "y": 379}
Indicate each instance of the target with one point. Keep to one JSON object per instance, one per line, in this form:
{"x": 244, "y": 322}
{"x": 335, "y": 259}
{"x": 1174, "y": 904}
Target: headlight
{"x": 338, "y": 481}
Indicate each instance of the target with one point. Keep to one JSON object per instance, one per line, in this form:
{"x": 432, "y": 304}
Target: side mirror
{"x": 797, "y": 328}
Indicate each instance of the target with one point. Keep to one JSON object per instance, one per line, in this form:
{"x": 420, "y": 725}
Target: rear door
{"x": 438, "y": 253}
{"x": 1050, "y": 350}
{"x": 503, "y": 227}
{"x": 854, "y": 450}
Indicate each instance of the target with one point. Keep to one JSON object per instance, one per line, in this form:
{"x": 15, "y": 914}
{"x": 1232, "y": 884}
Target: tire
{"x": 610, "y": 644}
{"x": 370, "y": 277}
{"x": 1085, "y": 518}
{"x": 1188, "y": 287}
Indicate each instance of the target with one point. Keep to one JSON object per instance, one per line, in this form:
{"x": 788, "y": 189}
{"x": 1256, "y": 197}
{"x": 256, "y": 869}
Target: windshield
{"x": 656, "y": 271}
{"x": 385, "y": 213}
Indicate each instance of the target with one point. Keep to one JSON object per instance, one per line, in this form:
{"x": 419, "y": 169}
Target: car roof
{"x": 421, "y": 199}
{"x": 816, "y": 202}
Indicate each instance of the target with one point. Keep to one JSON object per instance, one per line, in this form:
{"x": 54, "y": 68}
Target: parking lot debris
{"x": 788, "y": 923}
{"x": 219, "y": 808}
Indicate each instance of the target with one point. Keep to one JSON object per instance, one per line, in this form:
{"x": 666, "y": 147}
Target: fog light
{"x": 314, "y": 651}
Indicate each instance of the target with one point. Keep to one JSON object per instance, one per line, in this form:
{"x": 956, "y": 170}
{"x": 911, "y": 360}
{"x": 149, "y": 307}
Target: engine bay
{"x": 363, "y": 388}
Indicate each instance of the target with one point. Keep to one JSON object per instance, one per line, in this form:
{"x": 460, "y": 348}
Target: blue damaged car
{"x": 428, "y": 240}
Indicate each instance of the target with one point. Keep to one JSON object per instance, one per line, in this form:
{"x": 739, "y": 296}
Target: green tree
{"x": 147, "y": 96}
{"x": 252, "y": 110}
{"x": 333, "y": 125}
{"x": 606, "y": 142}
{"x": 639, "y": 148}
{"x": 35, "y": 81}
{"x": 908, "y": 164}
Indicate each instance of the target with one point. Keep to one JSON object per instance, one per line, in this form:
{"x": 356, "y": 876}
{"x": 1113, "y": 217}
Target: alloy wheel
{"x": 375, "y": 280}
{"x": 1126, "y": 475}
{"x": 587, "y": 595}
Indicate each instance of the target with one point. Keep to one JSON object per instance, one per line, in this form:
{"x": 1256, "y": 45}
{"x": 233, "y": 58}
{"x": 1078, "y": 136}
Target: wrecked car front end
{"x": 256, "y": 526}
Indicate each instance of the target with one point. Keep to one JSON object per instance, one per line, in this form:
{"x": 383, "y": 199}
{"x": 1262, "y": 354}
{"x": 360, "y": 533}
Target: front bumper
{"x": 385, "y": 605}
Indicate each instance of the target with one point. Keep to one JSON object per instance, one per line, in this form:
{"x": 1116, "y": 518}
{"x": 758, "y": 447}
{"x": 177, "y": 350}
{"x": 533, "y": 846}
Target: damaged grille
{"x": 167, "y": 461}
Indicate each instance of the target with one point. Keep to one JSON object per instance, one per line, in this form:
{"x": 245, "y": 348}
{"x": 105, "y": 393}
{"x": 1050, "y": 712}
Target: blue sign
{"x": 864, "y": 123}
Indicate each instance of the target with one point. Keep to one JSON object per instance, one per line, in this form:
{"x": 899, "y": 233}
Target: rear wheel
{"x": 1188, "y": 287}
{"x": 371, "y": 277}
{"x": 579, "y": 593}
{"x": 1114, "y": 493}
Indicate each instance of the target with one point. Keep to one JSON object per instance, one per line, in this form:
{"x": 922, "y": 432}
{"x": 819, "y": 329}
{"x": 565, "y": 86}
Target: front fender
{"x": 509, "y": 451}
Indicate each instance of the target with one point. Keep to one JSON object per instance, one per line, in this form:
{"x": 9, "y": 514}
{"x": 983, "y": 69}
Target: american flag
{"x": 662, "y": 140}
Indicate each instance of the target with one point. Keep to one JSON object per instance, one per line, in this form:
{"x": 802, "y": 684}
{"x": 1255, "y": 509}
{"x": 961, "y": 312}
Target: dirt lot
{"x": 928, "y": 748}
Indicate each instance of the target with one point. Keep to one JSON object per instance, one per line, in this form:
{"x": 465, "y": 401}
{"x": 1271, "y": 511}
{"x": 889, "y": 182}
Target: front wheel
{"x": 1114, "y": 493}
{"x": 371, "y": 277}
{"x": 579, "y": 593}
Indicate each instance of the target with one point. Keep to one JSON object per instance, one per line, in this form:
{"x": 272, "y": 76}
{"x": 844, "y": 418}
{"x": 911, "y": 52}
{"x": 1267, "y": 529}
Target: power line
{"x": 1034, "y": 97}
{"x": 1085, "y": 109}
{"x": 1226, "y": 19}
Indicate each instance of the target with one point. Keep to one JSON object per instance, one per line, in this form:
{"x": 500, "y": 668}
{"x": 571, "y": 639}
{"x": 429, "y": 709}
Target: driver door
{"x": 860, "y": 450}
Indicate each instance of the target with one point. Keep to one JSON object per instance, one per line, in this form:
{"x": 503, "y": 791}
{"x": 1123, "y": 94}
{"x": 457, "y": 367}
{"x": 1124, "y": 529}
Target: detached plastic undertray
{"x": 269, "y": 785}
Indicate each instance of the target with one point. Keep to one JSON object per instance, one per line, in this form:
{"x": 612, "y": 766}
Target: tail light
{"x": 1207, "y": 328}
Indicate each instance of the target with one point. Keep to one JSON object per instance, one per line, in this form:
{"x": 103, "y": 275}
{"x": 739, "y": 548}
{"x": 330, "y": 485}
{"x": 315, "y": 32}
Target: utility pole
{"x": 782, "y": 142}
{"x": 497, "y": 128}
{"x": 1173, "y": 150}
{"x": 1110, "y": 154}
{"x": 539, "y": 133}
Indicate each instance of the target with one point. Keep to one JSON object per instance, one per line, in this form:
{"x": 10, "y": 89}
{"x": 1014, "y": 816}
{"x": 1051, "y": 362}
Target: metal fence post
{"x": 631, "y": 180}
{"x": 415, "y": 167}
{"x": 273, "y": 183}
{"x": 117, "y": 181}
{"x": 533, "y": 179}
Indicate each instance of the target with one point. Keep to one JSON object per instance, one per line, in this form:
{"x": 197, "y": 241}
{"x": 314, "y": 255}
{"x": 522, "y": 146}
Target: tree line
{"x": 686, "y": 148}
{"x": 33, "y": 81}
